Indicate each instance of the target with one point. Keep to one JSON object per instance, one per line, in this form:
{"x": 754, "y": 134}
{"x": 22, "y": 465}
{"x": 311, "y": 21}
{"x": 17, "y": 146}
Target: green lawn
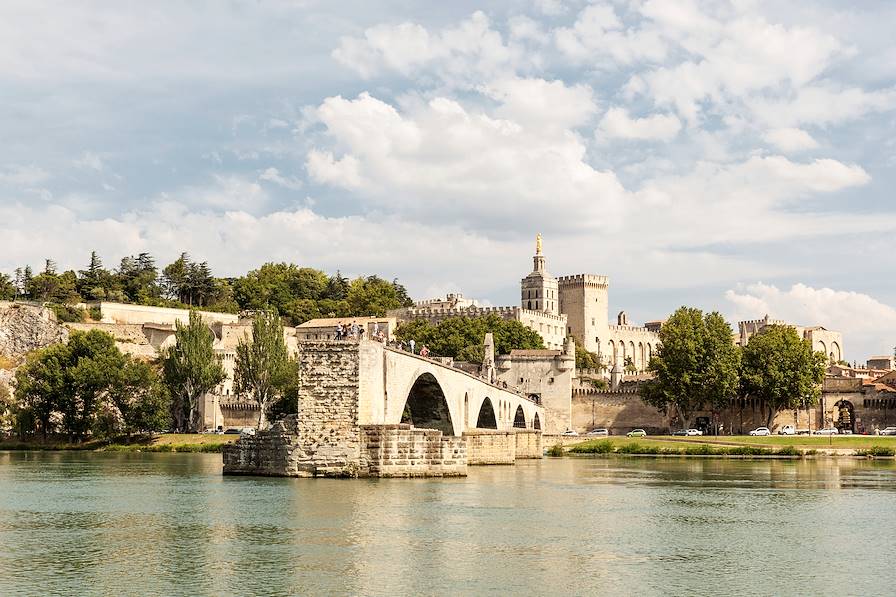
{"x": 168, "y": 442}
{"x": 735, "y": 445}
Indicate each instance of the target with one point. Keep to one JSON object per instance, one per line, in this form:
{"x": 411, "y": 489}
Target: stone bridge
{"x": 400, "y": 387}
{"x": 369, "y": 410}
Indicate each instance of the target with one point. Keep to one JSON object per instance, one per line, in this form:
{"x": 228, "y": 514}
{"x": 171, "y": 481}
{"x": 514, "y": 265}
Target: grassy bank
{"x": 168, "y": 442}
{"x": 738, "y": 446}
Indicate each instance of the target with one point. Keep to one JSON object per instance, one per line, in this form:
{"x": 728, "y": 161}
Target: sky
{"x": 734, "y": 155}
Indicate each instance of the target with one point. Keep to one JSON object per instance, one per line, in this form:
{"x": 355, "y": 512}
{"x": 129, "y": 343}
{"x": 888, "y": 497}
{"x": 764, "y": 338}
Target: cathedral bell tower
{"x": 539, "y": 289}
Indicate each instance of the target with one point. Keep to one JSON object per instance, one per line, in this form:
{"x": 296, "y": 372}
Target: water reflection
{"x": 135, "y": 524}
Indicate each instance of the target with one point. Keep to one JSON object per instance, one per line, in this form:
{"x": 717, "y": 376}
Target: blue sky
{"x": 735, "y": 155}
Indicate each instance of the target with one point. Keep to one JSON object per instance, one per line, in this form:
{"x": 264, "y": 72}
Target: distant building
{"x": 885, "y": 363}
{"x": 823, "y": 340}
{"x": 557, "y": 308}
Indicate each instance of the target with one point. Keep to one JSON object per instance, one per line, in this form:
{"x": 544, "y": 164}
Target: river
{"x": 169, "y": 524}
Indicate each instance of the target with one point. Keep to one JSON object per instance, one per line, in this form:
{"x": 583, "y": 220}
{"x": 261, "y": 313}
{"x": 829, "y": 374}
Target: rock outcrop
{"x": 27, "y": 327}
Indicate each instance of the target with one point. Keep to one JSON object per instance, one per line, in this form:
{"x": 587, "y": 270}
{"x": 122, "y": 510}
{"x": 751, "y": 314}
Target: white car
{"x": 787, "y": 430}
{"x": 761, "y": 431}
{"x": 570, "y": 433}
{"x": 602, "y": 431}
{"x": 694, "y": 432}
{"x": 827, "y": 431}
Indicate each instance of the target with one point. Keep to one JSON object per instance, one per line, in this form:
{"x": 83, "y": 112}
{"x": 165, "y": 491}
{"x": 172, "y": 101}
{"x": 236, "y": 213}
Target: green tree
{"x": 462, "y": 337}
{"x": 585, "y": 359}
{"x": 190, "y": 369}
{"x": 781, "y": 370}
{"x": 7, "y": 288}
{"x": 264, "y": 369}
{"x": 141, "y": 399}
{"x": 69, "y": 380}
{"x": 695, "y": 364}
{"x": 374, "y": 296}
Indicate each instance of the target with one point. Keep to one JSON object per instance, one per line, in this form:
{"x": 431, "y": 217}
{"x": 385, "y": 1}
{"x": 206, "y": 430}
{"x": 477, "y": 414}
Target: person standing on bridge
{"x": 354, "y": 329}
{"x": 412, "y": 343}
{"x": 424, "y": 352}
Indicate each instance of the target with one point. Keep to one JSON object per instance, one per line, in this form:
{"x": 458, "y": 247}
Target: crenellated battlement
{"x": 630, "y": 328}
{"x": 584, "y": 279}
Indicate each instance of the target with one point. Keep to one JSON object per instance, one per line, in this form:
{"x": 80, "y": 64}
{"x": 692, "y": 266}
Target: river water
{"x": 170, "y": 524}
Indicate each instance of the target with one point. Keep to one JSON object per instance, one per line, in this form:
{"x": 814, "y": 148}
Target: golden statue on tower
{"x": 538, "y": 244}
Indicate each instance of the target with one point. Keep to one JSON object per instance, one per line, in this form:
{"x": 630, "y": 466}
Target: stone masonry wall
{"x": 268, "y": 453}
{"x": 488, "y": 446}
{"x": 405, "y": 451}
{"x": 329, "y": 435}
{"x": 528, "y": 444}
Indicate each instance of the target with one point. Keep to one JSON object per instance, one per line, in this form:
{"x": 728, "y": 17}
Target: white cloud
{"x": 616, "y": 123}
{"x": 790, "y": 140}
{"x": 443, "y": 160}
{"x": 464, "y": 53}
{"x": 273, "y": 175}
{"x": 540, "y": 103}
{"x": 821, "y": 104}
{"x": 598, "y": 35}
{"x": 868, "y": 325}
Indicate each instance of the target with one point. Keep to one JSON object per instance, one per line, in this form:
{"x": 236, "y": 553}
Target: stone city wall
{"x": 489, "y": 446}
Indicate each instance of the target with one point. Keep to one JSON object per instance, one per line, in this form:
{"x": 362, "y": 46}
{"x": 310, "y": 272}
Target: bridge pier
{"x": 358, "y": 402}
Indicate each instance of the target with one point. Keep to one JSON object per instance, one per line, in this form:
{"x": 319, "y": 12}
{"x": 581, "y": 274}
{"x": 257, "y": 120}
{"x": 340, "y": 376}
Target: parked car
{"x": 599, "y": 431}
{"x": 761, "y": 431}
{"x": 888, "y": 431}
{"x": 694, "y": 432}
{"x": 636, "y": 433}
{"x": 680, "y": 432}
{"x": 231, "y": 431}
{"x": 570, "y": 433}
{"x": 827, "y": 431}
{"x": 787, "y": 430}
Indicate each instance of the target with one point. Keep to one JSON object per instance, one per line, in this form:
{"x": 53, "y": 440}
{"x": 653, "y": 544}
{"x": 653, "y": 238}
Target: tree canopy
{"x": 264, "y": 369}
{"x": 781, "y": 370}
{"x": 296, "y": 293}
{"x": 462, "y": 337}
{"x": 190, "y": 370}
{"x": 65, "y": 387}
{"x": 695, "y": 365}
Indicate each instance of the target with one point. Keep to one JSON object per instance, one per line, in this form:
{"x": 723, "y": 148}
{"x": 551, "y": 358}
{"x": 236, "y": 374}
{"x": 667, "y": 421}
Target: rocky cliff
{"x": 25, "y": 327}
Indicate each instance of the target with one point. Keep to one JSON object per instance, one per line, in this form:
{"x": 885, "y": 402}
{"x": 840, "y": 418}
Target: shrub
{"x": 555, "y": 450}
{"x": 67, "y": 313}
{"x": 876, "y": 451}
{"x": 788, "y": 451}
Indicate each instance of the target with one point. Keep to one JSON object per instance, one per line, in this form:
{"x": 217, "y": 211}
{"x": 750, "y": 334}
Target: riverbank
{"x": 739, "y": 446}
{"x": 166, "y": 442}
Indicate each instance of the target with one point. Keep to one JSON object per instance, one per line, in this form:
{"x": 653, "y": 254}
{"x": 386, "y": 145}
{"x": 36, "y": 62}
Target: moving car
{"x": 826, "y": 431}
{"x": 694, "y": 432}
{"x": 570, "y": 433}
{"x": 787, "y": 430}
{"x": 599, "y": 431}
{"x": 761, "y": 431}
{"x": 636, "y": 433}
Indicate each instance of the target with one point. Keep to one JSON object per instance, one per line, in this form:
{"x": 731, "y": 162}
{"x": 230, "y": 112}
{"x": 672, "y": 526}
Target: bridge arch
{"x": 487, "y": 418}
{"x": 519, "y": 418}
{"x": 426, "y": 405}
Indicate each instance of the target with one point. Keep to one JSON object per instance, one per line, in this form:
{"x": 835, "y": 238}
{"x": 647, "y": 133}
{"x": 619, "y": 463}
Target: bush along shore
{"x": 172, "y": 442}
{"x": 654, "y": 448}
